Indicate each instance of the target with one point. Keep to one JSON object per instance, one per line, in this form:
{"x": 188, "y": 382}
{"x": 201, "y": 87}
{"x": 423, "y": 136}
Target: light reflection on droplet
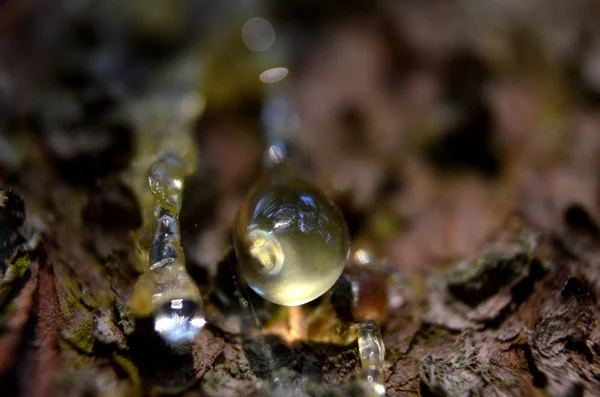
{"x": 379, "y": 389}
{"x": 363, "y": 257}
{"x": 179, "y": 321}
{"x": 276, "y": 154}
{"x": 273, "y": 75}
{"x": 258, "y": 34}
{"x": 266, "y": 249}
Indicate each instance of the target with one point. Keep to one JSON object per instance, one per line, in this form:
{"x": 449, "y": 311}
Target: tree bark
{"x": 489, "y": 215}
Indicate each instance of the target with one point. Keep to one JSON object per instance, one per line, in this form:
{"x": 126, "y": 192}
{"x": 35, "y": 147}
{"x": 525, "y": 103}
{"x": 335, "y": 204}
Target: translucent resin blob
{"x": 372, "y": 356}
{"x": 291, "y": 241}
{"x": 178, "y": 316}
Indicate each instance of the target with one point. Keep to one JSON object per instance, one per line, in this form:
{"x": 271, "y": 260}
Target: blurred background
{"x": 430, "y": 123}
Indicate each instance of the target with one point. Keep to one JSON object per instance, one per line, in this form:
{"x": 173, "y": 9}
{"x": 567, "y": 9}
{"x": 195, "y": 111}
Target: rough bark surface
{"x": 460, "y": 140}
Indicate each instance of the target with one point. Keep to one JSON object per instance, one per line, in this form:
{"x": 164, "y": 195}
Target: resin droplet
{"x": 372, "y": 355}
{"x": 166, "y": 177}
{"x": 179, "y": 321}
{"x": 368, "y": 277}
{"x": 291, "y": 242}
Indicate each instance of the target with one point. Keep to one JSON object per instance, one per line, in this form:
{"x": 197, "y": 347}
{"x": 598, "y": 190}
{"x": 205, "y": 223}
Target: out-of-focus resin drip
{"x": 178, "y": 316}
{"x": 372, "y": 356}
{"x": 280, "y": 123}
{"x": 164, "y": 119}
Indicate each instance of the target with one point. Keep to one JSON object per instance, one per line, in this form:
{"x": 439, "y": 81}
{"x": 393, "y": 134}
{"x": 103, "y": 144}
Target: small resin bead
{"x": 291, "y": 241}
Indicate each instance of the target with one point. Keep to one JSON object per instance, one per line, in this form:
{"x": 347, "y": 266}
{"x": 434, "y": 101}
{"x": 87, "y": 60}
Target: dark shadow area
{"x": 469, "y": 141}
{"x": 579, "y": 221}
{"x": 176, "y": 367}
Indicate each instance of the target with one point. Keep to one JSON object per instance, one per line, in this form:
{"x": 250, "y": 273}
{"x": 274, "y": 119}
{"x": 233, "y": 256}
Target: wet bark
{"x": 519, "y": 319}
{"x": 467, "y": 158}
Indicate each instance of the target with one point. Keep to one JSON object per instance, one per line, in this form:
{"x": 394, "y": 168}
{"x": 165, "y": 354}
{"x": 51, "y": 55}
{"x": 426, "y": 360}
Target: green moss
{"x": 6, "y": 312}
{"x": 524, "y": 364}
{"x": 435, "y": 334}
{"x": 79, "y": 332}
{"x": 21, "y": 265}
{"x": 233, "y": 370}
{"x": 16, "y": 270}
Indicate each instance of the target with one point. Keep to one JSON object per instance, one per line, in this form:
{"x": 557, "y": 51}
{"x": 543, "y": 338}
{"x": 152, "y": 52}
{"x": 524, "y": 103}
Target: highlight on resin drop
{"x": 179, "y": 321}
{"x": 266, "y": 249}
{"x": 372, "y": 356}
{"x": 276, "y": 154}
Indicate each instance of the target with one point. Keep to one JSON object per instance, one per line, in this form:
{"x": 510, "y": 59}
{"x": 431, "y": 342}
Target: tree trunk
{"x": 488, "y": 215}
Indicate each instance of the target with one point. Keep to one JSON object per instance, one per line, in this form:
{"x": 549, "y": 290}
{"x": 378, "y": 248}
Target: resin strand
{"x": 179, "y": 316}
{"x": 372, "y": 356}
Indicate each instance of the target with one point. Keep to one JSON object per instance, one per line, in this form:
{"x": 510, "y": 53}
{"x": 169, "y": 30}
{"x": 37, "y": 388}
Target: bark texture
{"x": 460, "y": 139}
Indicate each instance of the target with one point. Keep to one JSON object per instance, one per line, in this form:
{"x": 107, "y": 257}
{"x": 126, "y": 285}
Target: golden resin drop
{"x": 291, "y": 241}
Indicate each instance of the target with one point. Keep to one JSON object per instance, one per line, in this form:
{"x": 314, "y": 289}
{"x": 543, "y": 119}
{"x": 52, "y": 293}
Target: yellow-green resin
{"x": 291, "y": 241}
